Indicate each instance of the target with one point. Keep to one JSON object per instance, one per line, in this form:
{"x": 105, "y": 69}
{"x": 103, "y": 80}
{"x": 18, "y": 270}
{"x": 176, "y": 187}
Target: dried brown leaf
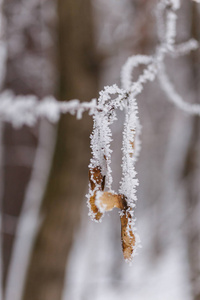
{"x": 97, "y": 183}
{"x": 96, "y": 178}
{"x": 106, "y": 201}
{"x": 101, "y": 201}
{"x": 94, "y": 208}
{"x": 127, "y": 237}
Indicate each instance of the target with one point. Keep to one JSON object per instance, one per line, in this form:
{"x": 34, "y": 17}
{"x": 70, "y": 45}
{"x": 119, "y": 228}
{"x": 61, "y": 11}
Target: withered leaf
{"x": 96, "y": 178}
{"x": 127, "y": 237}
{"x": 97, "y": 182}
{"x": 106, "y": 201}
{"x": 94, "y": 208}
{"x": 101, "y": 201}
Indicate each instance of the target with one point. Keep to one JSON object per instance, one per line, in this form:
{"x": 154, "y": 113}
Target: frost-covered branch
{"x": 26, "y": 110}
{"x": 20, "y": 110}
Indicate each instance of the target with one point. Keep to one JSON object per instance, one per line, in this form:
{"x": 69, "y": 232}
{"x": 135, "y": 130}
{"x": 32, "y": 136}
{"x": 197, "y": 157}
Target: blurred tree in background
{"x": 61, "y": 208}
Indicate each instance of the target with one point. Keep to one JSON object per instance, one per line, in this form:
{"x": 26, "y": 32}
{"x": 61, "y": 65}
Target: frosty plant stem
{"x": 20, "y": 110}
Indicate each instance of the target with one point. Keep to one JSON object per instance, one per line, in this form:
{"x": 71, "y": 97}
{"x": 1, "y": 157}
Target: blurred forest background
{"x": 50, "y": 249}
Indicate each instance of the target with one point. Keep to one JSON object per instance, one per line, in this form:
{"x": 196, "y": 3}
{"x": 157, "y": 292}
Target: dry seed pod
{"x": 106, "y": 201}
{"x": 97, "y": 182}
{"x": 127, "y": 236}
{"x": 96, "y": 178}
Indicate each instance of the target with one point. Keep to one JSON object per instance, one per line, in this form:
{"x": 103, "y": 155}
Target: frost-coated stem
{"x": 26, "y": 110}
{"x": 101, "y": 137}
{"x": 129, "y": 149}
